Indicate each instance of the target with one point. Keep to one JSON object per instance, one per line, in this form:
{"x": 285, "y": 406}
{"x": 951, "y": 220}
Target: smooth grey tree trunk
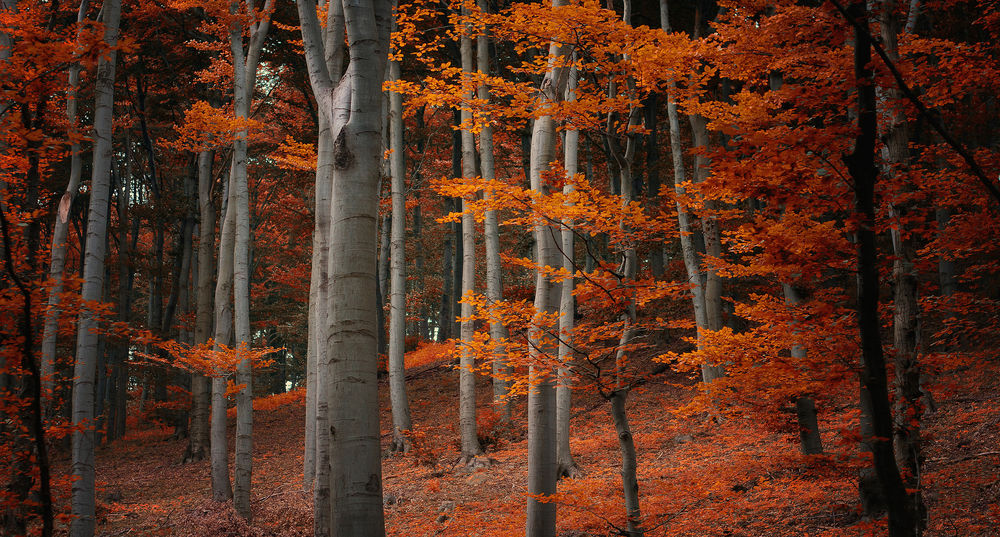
{"x": 491, "y": 235}
{"x": 564, "y": 389}
{"x": 60, "y": 234}
{"x": 222, "y": 489}
{"x": 471, "y": 449}
{"x": 688, "y": 249}
{"x": 401, "y": 423}
{"x": 85, "y": 369}
{"x": 542, "y": 468}
{"x": 201, "y": 388}
{"x": 319, "y": 329}
{"x": 713, "y": 245}
{"x": 245, "y": 59}
{"x": 356, "y": 121}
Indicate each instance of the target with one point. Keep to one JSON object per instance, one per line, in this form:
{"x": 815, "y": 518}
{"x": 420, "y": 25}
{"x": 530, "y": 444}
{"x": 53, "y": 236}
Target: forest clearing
{"x": 559, "y": 268}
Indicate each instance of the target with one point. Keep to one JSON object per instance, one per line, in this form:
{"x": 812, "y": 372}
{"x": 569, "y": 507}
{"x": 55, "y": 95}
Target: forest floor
{"x": 698, "y": 476}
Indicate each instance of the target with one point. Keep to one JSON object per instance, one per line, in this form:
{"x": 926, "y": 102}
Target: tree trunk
{"x": 564, "y": 389}
{"x": 201, "y": 390}
{"x": 471, "y": 449}
{"x": 401, "y": 423}
{"x": 542, "y": 469}
{"x": 245, "y": 61}
{"x": 221, "y": 487}
{"x": 83, "y": 495}
{"x": 906, "y": 307}
{"x": 356, "y": 473}
{"x": 861, "y": 166}
{"x": 688, "y": 248}
{"x": 810, "y": 441}
{"x": 60, "y": 234}
{"x": 491, "y": 234}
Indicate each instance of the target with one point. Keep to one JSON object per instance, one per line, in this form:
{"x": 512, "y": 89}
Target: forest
{"x": 559, "y": 268}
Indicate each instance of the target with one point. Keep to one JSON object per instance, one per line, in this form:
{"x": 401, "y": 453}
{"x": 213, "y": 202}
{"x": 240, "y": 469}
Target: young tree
{"x": 60, "y": 231}
{"x": 903, "y": 519}
{"x": 201, "y": 389}
{"x": 397, "y": 298}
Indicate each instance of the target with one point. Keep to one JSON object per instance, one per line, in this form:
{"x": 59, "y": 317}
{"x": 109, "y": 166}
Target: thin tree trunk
{"x": 401, "y": 423}
{"x": 491, "y": 234}
{"x": 201, "y": 390}
{"x": 60, "y": 234}
{"x": 906, "y": 307}
{"x": 564, "y": 389}
{"x": 245, "y": 61}
{"x": 318, "y": 333}
{"x": 688, "y": 249}
{"x": 83, "y": 494}
{"x": 471, "y": 449}
{"x": 221, "y": 487}
{"x": 810, "y": 441}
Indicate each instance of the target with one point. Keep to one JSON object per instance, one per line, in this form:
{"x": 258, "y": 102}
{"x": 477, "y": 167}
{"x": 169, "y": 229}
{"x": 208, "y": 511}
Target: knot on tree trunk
{"x": 342, "y": 156}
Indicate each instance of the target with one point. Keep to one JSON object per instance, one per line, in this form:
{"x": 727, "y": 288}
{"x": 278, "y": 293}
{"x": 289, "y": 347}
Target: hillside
{"x": 698, "y": 477}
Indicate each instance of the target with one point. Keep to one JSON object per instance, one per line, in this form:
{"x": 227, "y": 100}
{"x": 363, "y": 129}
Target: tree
{"x": 85, "y": 368}
{"x": 353, "y": 107}
{"x": 201, "y": 389}
{"x": 401, "y": 423}
{"x": 471, "y": 449}
{"x": 903, "y": 519}
{"x": 542, "y": 469}
{"x": 245, "y": 61}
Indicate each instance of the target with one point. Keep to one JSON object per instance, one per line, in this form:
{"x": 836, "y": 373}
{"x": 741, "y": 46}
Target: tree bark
{"x": 542, "y": 469}
{"x": 401, "y": 423}
{"x": 810, "y": 441}
{"x": 491, "y": 234}
{"x": 564, "y": 389}
{"x": 201, "y": 390}
{"x": 471, "y": 449}
{"x": 908, "y": 407}
{"x": 861, "y": 166}
{"x": 83, "y": 493}
{"x": 60, "y": 234}
{"x": 356, "y": 495}
{"x": 245, "y": 59}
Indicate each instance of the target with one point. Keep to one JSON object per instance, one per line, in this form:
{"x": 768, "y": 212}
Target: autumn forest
{"x": 561, "y": 268}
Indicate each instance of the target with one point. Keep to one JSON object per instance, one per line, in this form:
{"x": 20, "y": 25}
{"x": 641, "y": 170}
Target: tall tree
{"x": 542, "y": 469}
{"x": 354, "y": 108}
{"x": 564, "y": 390}
{"x": 85, "y": 369}
{"x": 906, "y": 306}
{"x": 397, "y": 299}
{"x": 201, "y": 389}
{"x": 491, "y": 236}
{"x": 246, "y": 58}
{"x": 471, "y": 449}
{"x": 60, "y": 231}
{"x": 874, "y": 385}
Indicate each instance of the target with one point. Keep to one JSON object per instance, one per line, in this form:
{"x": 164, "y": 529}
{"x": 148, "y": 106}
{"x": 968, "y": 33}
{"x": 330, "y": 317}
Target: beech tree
{"x": 542, "y": 466}
{"x": 353, "y": 107}
{"x": 85, "y": 368}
